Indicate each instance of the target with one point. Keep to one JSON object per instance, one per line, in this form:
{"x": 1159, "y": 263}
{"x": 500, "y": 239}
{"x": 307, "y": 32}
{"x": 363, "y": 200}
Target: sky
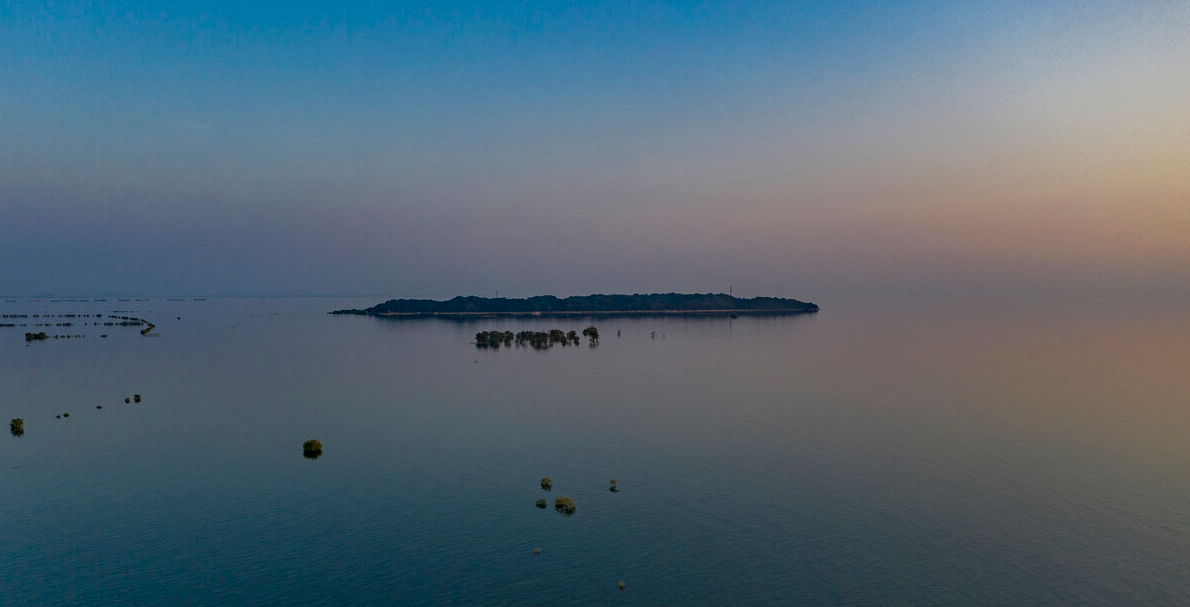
{"x": 430, "y": 149}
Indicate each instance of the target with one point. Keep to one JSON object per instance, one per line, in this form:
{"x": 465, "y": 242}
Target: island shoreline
{"x": 548, "y": 306}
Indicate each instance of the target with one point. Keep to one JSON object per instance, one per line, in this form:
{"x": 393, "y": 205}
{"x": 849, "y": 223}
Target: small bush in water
{"x": 565, "y": 505}
{"x": 312, "y": 449}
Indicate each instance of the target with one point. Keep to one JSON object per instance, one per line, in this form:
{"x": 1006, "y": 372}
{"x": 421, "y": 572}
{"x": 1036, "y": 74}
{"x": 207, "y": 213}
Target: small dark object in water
{"x": 564, "y": 505}
{"x": 98, "y": 406}
{"x": 127, "y": 400}
{"x": 65, "y": 415}
{"x": 541, "y": 503}
{"x": 537, "y": 551}
{"x": 17, "y": 426}
{"x": 547, "y": 483}
{"x": 312, "y": 449}
{"x": 136, "y": 398}
{"x": 612, "y": 485}
{"x": 621, "y": 584}
{"x": 57, "y": 417}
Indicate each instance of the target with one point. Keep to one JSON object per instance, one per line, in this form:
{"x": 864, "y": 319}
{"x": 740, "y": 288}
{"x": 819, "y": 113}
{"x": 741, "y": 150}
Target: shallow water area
{"x": 890, "y": 453}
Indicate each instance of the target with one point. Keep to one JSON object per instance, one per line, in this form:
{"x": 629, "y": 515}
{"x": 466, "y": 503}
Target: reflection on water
{"x": 865, "y": 454}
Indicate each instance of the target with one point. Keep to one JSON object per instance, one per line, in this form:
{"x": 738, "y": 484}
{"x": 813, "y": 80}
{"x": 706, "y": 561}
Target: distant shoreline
{"x": 547, "y": 306}
{"x": 588, "y": 313}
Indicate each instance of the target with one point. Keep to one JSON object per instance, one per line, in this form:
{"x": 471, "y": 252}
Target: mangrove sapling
{"x": 612, "y": 485}
{"x": 17, "y": 427}
{"x": 312, "y": 449}
{"x": 541, "y": 503}
{"x": 547, "y": 483}
{"x": 564, "y": 505}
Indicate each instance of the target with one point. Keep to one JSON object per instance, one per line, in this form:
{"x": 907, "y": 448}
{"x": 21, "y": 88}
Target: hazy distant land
{"x": 604, "y": 305}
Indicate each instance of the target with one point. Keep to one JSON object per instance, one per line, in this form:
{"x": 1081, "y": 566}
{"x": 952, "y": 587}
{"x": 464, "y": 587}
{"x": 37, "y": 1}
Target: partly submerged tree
{"x": 312, "y": 449}
{"x": 592, "y": 333}
{"x": 564, "y": 505}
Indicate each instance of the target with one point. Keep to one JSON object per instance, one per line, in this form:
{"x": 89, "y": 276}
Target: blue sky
{"x": 432, "y": 149}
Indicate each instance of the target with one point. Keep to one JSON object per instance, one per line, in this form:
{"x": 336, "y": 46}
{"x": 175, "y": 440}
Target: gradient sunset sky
{"x": 410, "y": 149}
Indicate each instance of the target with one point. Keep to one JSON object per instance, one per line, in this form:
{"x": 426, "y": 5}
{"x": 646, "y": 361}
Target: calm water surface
{"x": 890, "y": 454}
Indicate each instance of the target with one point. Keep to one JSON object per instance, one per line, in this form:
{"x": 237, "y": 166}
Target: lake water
{"x": 901, "y": 453}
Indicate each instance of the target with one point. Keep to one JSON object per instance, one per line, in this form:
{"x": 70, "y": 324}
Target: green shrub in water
{"x": 547, "y": 483}
{"x": 565, "y": 505}
{"x": 541, "y": 503}
{"x": 17, "y": 426}
{"x": 312, "y": 449}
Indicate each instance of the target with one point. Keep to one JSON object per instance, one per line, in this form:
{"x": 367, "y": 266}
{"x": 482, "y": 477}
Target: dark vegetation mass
{"x": 534, "y": 339}
{"x": 312, "y": 448}
{"x": 564, "y": 505}
{"x": 658, "y": 303}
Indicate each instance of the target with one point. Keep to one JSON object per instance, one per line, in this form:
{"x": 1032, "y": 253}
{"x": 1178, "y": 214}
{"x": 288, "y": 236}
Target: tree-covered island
{"x": 587, "y": 305}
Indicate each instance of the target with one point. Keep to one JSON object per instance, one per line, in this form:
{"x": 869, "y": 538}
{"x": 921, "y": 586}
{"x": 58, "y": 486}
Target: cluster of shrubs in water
{"x": 535, "y": 339}
{"x": 565, "y": 504}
